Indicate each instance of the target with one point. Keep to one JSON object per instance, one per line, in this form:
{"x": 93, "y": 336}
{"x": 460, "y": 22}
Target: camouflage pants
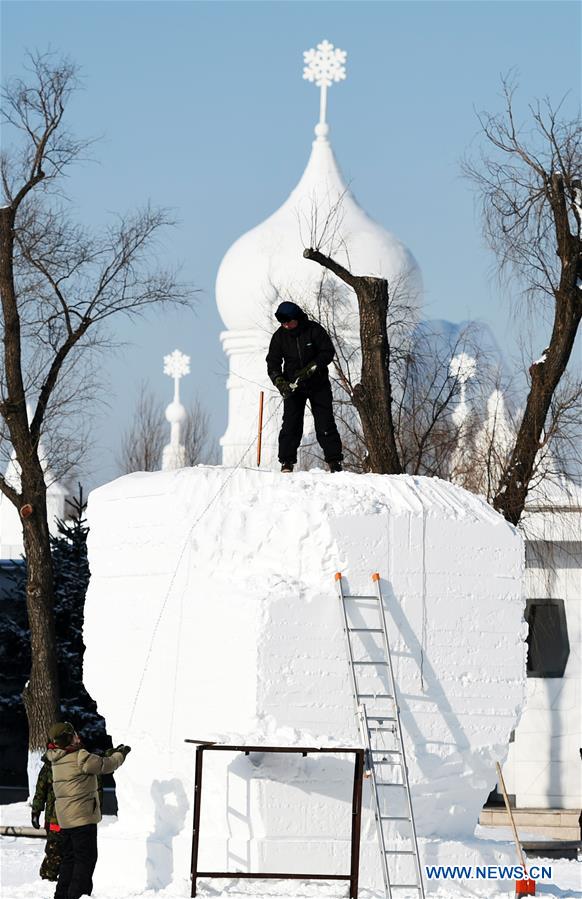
{"x": 53, "y": 853}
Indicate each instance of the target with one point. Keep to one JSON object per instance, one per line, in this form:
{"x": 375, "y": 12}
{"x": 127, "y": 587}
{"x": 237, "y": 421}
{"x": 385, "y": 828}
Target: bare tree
{"x": 199, "y": 445}
{"x": 428, "y": 392}
{"x": 143, "y": 443}
{"x": 372, "y": 395}
{"x": 59, "y": 286}
{"x": 531, "y": 194}
{"x": 425, "y": 392}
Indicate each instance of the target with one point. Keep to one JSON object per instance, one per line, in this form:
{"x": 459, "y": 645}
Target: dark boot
{"x": 335, "y": 466}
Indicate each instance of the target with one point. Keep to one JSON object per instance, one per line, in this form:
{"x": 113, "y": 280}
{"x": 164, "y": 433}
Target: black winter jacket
{"x": 290, "y": 351}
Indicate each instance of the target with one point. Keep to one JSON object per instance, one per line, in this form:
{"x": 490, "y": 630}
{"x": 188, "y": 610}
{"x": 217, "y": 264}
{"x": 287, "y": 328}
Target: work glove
{"x": 303, "y": 374}
{"x": 124, "y": 750}
{"x": 121, "y": 748}
{"x": 35, "y": 818}
{"x": 283, "y": 386}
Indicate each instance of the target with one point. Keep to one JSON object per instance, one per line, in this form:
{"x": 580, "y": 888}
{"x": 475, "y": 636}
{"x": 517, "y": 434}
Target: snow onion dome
{"x": 266, "y": 265}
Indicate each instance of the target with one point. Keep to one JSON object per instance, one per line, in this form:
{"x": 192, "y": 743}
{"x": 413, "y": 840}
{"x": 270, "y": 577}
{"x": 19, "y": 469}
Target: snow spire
{"x": 324, "y": 64}
{"x": 176, "y": 365}
{"x": 493, "y": 444}
{"x": 497, "y": 424}
{"x": 462, "y": 367}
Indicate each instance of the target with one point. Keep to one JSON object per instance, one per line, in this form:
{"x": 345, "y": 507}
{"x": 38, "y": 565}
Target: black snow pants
{"x": 79, "y": 845}
{"x": 320, "y": 399}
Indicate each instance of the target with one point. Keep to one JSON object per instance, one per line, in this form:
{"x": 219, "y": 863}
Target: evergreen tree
{"x": 71, "y": 579}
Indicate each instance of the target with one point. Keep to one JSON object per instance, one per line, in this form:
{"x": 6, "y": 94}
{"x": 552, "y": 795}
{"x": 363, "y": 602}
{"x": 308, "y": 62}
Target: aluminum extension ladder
{"x": 373, "y": 685}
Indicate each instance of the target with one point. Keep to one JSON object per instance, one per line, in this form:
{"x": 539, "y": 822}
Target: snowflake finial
{"x": 324, "y": 65}
{"x": 176, "y": 364}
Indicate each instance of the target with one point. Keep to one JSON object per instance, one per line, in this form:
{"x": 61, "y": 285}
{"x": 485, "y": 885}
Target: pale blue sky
{"x": 202, "y": 108}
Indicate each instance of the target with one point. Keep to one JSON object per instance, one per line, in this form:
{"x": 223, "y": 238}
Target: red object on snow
{"x": 525, "y": 887}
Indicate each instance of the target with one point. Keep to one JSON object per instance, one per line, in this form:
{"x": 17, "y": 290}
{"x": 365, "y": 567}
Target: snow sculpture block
{"x": 212, "y": 614}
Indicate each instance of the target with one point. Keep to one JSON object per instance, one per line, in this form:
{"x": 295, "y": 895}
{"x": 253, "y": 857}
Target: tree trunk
{"x": 372, "y": 397}
{"x": 40, "y": 695}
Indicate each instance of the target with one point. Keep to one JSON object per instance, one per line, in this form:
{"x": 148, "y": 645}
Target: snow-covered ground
{"x": 21, "y": 858}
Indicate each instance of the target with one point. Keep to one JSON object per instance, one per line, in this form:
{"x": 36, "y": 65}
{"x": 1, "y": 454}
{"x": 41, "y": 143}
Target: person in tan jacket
{"x": 77, "y": 805}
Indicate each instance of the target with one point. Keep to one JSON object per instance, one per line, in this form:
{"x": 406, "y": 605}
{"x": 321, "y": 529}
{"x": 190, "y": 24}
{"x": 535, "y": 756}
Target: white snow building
{"x": 266, "y": 266}
{"x": 543, "y": 771}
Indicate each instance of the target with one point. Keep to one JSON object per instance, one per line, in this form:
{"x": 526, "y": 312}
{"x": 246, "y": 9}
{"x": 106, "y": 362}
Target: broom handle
{"x": 260, "y": 436}
{"x": 510, "y": 813}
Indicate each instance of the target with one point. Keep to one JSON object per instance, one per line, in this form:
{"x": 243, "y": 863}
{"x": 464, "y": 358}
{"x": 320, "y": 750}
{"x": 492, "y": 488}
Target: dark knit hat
{"x": 61, "y": 734}
{"x": 287, "y": 311}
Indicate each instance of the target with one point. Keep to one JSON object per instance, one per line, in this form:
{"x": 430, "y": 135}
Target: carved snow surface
{"x": 212, "y": 613}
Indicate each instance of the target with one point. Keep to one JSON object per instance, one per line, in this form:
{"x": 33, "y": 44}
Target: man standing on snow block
{"x": 297, "y": 361}
{"x": 77, "y": 806}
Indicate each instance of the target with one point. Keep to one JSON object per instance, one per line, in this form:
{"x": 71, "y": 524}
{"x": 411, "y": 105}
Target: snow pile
{"x": 212, "y": 614}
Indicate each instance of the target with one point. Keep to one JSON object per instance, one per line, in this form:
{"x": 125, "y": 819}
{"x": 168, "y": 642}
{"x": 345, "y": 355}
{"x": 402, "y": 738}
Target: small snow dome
{"x": 266, "y": 264}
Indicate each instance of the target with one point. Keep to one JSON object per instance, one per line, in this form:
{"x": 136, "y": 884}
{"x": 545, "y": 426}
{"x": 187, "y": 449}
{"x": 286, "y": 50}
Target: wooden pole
{"x": 525, "y": 887}
{"x": 260, "y": 436}
{"x": 510, "y": 813}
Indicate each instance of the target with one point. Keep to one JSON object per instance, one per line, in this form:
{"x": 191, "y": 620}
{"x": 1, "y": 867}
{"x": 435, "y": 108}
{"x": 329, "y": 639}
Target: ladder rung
{"x": 364, "y": 630}
{"x": 375, "y": 696}
{"x": 399, "y": 852}
{"x": 388, "y": 751}
{"x": 359, "y": 597}
{"x": 379, "y": 662}
{"x": 382, "y": 783}
{"x": 380, "y": 718}
{"x": 390, "y": 730}
{"x": 404, "y": 886}
{"x": 395, "y": 818}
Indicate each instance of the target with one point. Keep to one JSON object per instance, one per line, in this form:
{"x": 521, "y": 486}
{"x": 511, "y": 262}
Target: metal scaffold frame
{"x": 356, "y": 821}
